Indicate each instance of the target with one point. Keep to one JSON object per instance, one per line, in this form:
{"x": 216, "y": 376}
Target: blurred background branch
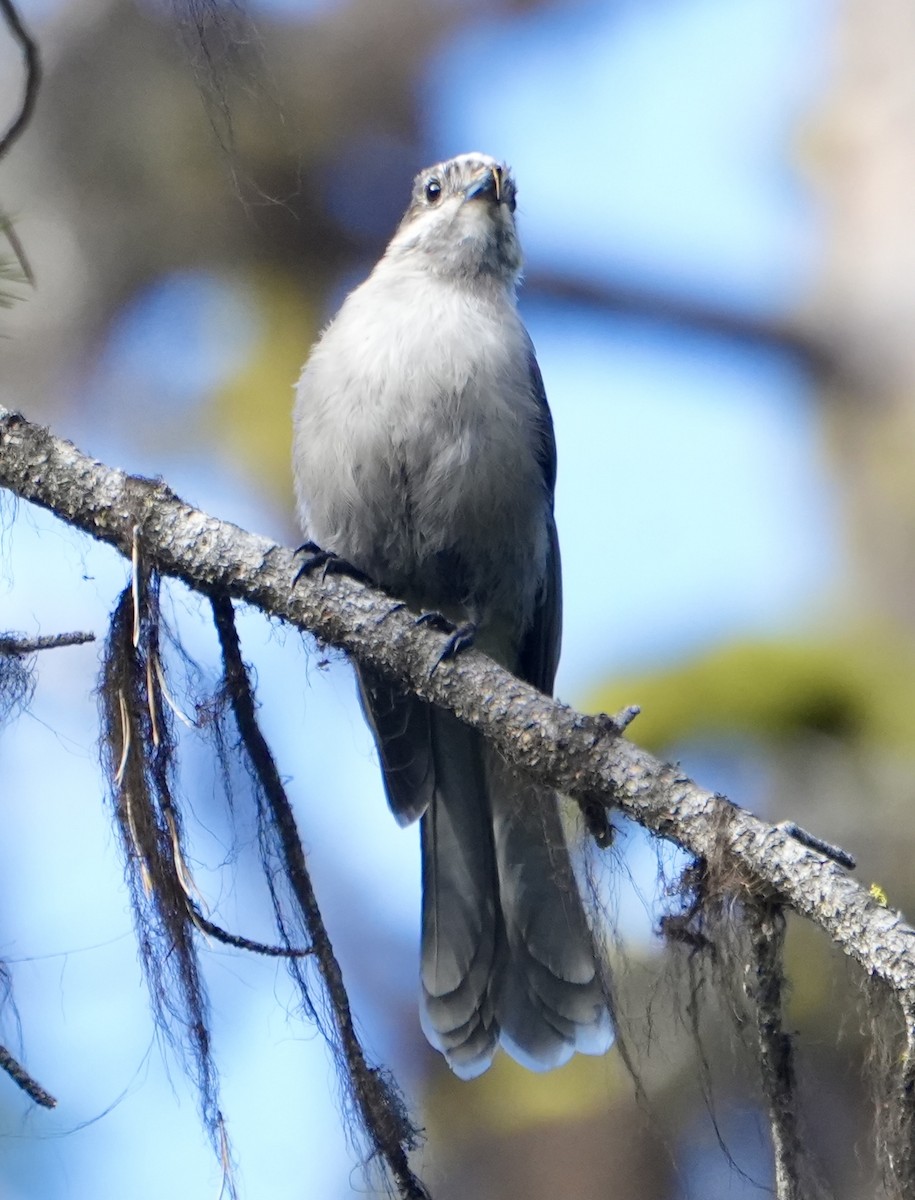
{"x": 32, "y": 61}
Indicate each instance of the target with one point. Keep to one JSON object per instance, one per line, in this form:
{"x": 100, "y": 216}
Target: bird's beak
{"x": 488, "y": 184}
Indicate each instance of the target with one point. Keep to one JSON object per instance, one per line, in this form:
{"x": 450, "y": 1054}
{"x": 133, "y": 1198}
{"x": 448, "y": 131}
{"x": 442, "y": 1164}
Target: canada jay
{"x": 424, "y": 457}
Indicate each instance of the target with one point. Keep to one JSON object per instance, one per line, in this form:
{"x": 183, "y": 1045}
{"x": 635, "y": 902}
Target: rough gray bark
{"x": 583, "y": 756}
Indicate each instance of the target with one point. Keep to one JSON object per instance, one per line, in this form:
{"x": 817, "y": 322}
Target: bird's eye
{"x": 432, "y": 190}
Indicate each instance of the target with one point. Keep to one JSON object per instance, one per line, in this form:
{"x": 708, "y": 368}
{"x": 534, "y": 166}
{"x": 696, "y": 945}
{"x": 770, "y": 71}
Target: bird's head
{"x": 460, "y": 221}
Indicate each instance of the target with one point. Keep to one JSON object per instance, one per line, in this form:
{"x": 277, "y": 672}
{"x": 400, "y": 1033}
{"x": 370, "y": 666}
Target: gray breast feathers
{"x": 418, "y": 445}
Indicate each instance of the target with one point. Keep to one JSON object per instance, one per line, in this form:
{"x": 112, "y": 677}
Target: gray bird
{"x": 424, "y": 457}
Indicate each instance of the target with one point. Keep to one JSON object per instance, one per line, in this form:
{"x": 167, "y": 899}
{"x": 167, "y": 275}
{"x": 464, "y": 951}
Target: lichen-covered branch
{"x": 583, "y": 756}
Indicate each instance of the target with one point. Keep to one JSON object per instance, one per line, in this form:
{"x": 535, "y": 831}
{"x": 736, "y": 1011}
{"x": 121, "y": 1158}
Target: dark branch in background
{"x": 32, "y": 75}
{"x": 751, "y": 330}
{"x": 380, "y": 1106}
{"x": 584, "y": 757}
{"x": 26, "y": 107}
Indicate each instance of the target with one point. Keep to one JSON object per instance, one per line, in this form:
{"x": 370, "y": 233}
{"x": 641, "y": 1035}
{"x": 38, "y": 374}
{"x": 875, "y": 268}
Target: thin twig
{"x": 19, "y": 647}
{"x": 836, "y": 853}
{"x": 20, "y": 1076}
{"x": 32, "y": 58}
{"x": 264, "y": 949}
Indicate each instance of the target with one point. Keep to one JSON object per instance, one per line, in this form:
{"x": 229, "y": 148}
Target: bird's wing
{"x": 402, "y": 728}
{"x": 538, "y": 654}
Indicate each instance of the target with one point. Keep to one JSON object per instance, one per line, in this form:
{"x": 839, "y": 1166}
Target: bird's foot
{"x": 437, "y": 620}
{"x": 329, "y": 562}
{"x": 460, "y": 640}
{"x": 460, "y": 637}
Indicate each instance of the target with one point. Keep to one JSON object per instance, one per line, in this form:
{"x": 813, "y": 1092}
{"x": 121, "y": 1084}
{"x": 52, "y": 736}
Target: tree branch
{"x": 582, "y": 756}
{"x": 23, "y": 1079}
{"x": 20, "y": 647}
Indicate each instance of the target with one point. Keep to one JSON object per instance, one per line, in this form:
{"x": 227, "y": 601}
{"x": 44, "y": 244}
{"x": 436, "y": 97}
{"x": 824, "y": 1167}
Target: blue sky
{"x": 651, "y": 140}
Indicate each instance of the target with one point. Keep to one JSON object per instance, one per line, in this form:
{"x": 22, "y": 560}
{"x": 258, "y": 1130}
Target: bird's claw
{"x": 330, "y": 562}
{"x": 437, "y": 620}
{"x": 460, "y": 638}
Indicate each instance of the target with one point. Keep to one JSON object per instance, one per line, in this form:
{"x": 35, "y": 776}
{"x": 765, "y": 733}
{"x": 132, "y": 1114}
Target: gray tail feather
{"x": 552, "y": 999}
{"x": 460, "y": 926}
{"x": 506, "y": 949}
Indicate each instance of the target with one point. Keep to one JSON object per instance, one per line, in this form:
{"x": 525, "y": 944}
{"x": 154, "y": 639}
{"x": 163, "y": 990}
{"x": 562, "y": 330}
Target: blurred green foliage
{"x": 509, "y": 1098}
{"x": 857, "y": 685}
{"x": 252, "y": 412}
